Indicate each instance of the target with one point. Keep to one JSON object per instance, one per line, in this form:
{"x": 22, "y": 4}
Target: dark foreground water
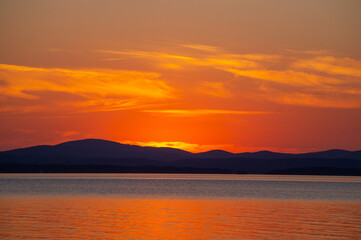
{"x": 178, "y": 206}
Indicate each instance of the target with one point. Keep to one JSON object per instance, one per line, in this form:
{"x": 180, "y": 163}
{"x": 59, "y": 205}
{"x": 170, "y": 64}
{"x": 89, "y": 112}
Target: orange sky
{"x": 197, "y": 75}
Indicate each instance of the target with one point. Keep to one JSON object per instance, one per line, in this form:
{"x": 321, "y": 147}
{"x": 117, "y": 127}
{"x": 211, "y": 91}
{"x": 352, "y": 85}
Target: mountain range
{"x": 104, "y": 156}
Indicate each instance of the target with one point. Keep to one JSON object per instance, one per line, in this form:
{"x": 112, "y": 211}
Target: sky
{"x": 278, "y": 75}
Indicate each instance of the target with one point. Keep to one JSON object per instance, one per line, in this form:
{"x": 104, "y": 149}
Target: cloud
{"x": 257, "y": 65}
{"x": 305, "y": 77}
{"x": 231, "y": 61}
{"x": 304, "y": 99}
{"x": 107, "y": 104}
{"x": 217, "y": 59}
{"x": 320, "y": 97}
{"x": 198, "y": 112}
{"x": 237, "y": 76}
{"x": 288, "y": 77}
{"x": 202, "y": 47}
{"x": 112, "y": 59}
{"x": 163, "y": 58}
{"x": 111, "y": 89}
{"x": 215, "y": 89}
{"x": 331, "y": 65}
{"x": 308, "y": 52}
{"x": 82, "y": 82}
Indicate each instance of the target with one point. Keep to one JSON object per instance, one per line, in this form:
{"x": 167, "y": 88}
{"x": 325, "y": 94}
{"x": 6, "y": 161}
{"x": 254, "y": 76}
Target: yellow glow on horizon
{"x": 190, "y": 147}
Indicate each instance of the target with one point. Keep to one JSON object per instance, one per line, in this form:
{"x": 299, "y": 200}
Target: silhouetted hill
{"x": 329, "y": 154}
{"x": 333, "y": 154}
{"x": 265, "y": 155}
{"x": 214, "y": 154}
{"x": 95, "y": 148}
{"x": 101, "y": 153}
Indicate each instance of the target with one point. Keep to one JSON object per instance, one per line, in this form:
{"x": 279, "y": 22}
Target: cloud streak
{"x": 103, "y": 88}
{"x": 305, "y": 80}
{"x": 200, "y": 112}
{"x": 331, "y": 65}
{"x": 216, "y": 89}
{"x": 309, "y": 76}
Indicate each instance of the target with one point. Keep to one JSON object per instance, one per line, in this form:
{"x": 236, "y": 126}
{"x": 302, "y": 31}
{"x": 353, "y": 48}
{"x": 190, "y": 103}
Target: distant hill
{"x": 95, "y": 148}
{"x": 214, "y": 154}
{"x": 101, "y": 153}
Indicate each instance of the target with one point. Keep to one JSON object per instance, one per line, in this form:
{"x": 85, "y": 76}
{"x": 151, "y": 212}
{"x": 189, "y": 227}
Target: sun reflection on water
{"x": 64, "y": 217}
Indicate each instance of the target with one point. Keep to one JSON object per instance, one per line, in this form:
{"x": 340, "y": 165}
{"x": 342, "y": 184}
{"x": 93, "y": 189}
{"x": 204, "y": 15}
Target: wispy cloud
{"x": 112, "y": 59}
{"x": 304, "y": 99}
{"x": 202, "y": 47}
{"x": 216, "y": 89}
{"x": 198, "y": 112}
{"x": 216, "y": 60}
{"x": 308, "y": 80}
{"x": 102, "y": 88}
{"x": 69, "y": 133}
{"x": 288, "y": 77}
{"x": 331, "y": 65}
{"x": 310, "y": 74}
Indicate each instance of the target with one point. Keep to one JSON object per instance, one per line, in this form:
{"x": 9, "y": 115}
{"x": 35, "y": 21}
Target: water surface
{"x": 178, "y": 206}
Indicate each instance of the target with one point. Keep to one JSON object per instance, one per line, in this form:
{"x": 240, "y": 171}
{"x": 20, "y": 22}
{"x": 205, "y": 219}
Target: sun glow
{"x": 190, "y": 147}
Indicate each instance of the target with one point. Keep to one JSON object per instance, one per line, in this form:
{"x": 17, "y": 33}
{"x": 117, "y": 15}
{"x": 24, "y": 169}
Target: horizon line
{"x": 133, "y": 143}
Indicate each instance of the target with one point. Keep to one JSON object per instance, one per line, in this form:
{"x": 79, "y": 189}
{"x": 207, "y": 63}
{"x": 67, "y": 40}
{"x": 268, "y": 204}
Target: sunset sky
{"x": 236, "y": 75}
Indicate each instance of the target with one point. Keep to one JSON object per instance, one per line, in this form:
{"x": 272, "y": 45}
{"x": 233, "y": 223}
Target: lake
{"x": 179, "y": 206}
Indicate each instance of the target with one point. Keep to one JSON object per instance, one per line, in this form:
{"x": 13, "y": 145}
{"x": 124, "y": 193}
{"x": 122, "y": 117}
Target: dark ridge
{"x": 92, "y": 148}
{"x": 214, "y": 154}
{"x": 100, "y": 153}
